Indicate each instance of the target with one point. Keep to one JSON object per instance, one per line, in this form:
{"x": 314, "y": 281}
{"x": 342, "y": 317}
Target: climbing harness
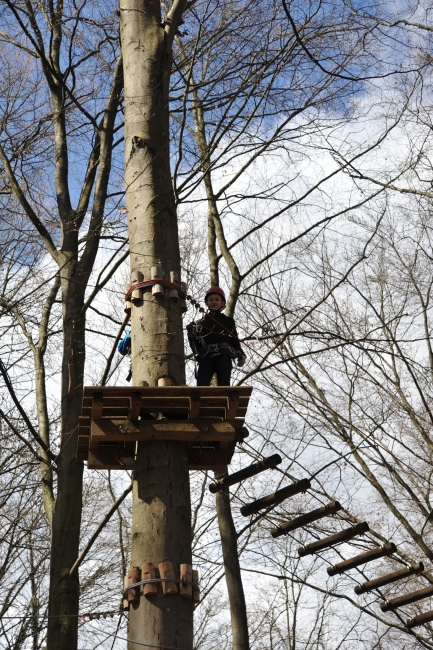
{"x": 211, "y": 350}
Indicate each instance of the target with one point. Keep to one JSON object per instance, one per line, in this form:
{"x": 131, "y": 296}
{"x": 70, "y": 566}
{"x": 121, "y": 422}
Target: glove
{"x": 241, "y": 361}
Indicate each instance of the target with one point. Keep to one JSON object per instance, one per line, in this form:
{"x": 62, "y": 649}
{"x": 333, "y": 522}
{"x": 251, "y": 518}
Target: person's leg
{"x": 206, "y": 369}
{"x": 223, "y": 369}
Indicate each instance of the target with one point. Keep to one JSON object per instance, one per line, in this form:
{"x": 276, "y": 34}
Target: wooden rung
{"x": 194, "y": 407}
{"x": 407, "y": 599}
{"x": 421, "y": 619}
{"x": 134, "y": 411}
{"x": 97, "y": 405}
{"x": 275, "y": 497}
{"x": 148, "y": 573}
{"x": 196, "y": 588}
{"x": 133, "y": 595}
{"x": 166, "y": 571}
{"x": 157, "y": 290}
{"x": 247, "y": 472}
{"x": 233, "y": 406}
{"x": 331, "y": 540}
{"x": 82, "y": 447}
{"x": 136, "y": 295}
{"x": 156, "y": 272}
{"x": 330, "y": 509}
{"x": 377, "y": 583}
{"x": 363, "y": 558}
{"x": 186, "y": 574}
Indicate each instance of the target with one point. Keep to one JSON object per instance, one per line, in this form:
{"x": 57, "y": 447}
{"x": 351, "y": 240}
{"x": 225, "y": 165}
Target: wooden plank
{"x": 134, "y": 575}
{"x": 194, "y": 406}
{"x": 113, "y": 412}
{"x": 106, "y": 429}
{"x": 158, "y": 406}
{"x": 107, "y": 459}
{"x": 122, "y": 401}
{"x": 186, "y": 574}
{"x": 167, "y": 391}
{"x": 213, "y": 412}
{"x": 148, "y": 573}
{"x": 97, "y": 404}
{"x": 198, "y": 459}
{"x": 134, "y": 411}
{"x": 233, "y": 405}
{"x": 174, "y": 413}
{"x": 166, "y": 571}
{"x": 165, "y": 402}
{"x": 218, "y": 401}
{"x": 213, "y": 400}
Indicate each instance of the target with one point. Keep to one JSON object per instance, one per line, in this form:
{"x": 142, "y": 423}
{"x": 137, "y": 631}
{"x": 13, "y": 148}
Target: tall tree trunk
{"x": 238, "y": 608}
{"x": 235, "y": 589}
{"x": 215, "y": 229}
{"x": 161, "y": 519}
{"x": 64, "y": 588}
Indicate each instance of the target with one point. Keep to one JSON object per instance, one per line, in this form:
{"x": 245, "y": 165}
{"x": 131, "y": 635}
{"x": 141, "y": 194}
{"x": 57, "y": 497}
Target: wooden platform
{"x": 115, "y": 418}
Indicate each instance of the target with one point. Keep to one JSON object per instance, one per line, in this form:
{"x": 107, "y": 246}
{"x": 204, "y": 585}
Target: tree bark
{"x": 161, "y": 518}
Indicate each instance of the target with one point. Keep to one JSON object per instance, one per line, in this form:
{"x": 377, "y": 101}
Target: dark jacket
{"x": 213, "y": 329}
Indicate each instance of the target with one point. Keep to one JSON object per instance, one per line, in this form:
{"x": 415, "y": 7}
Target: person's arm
{"x": 236, "y": 344}
{"x": 190, "y": 329}
{"x": 234, "y": 337}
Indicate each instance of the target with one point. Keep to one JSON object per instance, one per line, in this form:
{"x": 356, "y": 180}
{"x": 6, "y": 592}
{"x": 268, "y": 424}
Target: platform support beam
{"x": 161, "y": 519}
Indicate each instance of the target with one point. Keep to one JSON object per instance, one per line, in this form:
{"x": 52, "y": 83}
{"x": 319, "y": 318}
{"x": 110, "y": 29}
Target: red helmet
{"x": 217, "y": 290}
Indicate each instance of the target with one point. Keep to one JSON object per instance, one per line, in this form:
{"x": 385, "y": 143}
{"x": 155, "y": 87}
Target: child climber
{"x": 214, "y": 341}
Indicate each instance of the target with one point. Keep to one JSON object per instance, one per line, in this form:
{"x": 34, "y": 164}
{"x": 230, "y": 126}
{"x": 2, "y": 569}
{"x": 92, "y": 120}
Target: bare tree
{"x": 267, "y": 102}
